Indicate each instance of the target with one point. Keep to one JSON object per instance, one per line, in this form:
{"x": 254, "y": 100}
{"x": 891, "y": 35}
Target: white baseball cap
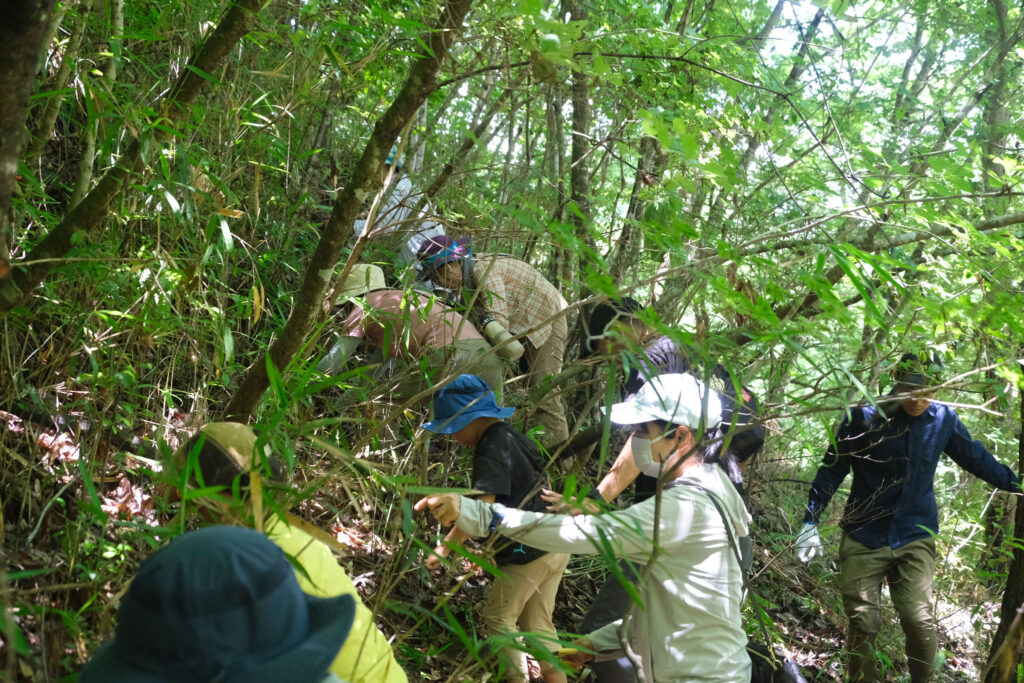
{"x": 676, "y": 398}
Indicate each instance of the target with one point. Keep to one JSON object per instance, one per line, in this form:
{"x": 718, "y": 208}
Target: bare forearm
{"x": 623, "y": 472}
{"x": 456, "y": 535}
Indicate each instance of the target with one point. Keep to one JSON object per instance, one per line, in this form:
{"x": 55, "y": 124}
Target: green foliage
{"x": 800, "y": 216}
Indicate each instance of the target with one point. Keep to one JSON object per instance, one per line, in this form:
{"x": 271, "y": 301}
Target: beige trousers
{"x": 544, "y": 362}
{"x": 525, "y": 595}
{"x": 488, "y": 368}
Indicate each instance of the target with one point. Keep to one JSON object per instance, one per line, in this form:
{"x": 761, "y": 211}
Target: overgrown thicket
{"x": 800, "y": 192}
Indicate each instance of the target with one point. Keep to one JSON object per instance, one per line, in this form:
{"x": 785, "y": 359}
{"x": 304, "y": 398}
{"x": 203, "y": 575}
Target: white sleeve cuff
{"x": 475, "y": 516}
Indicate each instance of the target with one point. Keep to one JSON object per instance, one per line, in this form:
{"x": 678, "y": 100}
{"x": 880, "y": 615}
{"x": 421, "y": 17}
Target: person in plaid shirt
{"x": 511, "y": 299}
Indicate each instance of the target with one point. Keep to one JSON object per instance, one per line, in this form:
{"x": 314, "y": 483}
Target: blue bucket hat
{"x": 463, "y": 400}
{"x": 221, "y": 604}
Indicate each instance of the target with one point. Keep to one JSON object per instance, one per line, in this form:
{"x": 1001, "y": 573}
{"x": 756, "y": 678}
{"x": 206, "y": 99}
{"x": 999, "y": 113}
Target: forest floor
{"x": 66, "y": 571}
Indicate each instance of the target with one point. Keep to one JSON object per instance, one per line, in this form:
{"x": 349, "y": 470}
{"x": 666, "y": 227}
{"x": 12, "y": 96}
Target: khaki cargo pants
{"x": 525, "y": 596}
{"x": 910, "y": 570}
{"x": 543, "y": 362}
{"x": 452, "y": 360}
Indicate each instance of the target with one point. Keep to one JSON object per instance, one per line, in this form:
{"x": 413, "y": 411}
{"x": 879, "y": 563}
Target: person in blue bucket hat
{"x": 507, "y": 469}
{"x": 221, "y": 604}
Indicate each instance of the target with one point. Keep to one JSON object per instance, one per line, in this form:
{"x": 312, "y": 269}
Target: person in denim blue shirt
{"x": 891, "y": 516}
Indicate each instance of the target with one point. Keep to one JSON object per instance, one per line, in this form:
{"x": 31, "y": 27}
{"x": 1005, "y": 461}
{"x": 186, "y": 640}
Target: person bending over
{"x": 508, "y": 469}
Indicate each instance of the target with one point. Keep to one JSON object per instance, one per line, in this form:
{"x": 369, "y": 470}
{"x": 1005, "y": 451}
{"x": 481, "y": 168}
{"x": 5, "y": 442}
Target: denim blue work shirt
{"x": 892, "y": 499}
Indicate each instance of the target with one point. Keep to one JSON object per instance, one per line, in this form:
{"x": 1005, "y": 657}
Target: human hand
{"x": 808, "y": 544}
{"x": 579, "y": 654}
{"x": 433, "y": 561}
{"x": 444, "y": 506}
{"x": 557, "y": 504}
{"x": 555, "y": 500}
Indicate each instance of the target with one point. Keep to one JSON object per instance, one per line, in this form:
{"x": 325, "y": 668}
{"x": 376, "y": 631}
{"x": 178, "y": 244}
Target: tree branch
{"x": 87, "y": 215}
{"x": 421, "y": 81}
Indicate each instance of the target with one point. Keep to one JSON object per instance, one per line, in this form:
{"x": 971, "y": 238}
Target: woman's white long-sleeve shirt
{"x": 689, "y": 626}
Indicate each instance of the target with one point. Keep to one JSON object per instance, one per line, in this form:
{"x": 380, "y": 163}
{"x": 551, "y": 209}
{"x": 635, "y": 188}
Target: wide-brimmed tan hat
{"x": 363, "y": 278}
{"x": 227, "y": 449}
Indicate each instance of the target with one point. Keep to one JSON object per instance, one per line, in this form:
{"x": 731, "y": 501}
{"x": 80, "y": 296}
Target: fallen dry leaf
{"x": 126, "y": 501}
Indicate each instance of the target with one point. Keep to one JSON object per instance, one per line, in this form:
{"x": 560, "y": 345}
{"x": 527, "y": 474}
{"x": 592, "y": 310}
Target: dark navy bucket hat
{"x": 221, "y": 604}
{"x": 463, "y": 400}
{"x": 601, "y": 318}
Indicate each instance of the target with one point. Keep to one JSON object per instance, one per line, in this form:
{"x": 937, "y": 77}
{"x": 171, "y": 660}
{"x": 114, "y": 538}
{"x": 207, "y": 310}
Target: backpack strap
{"x": 742, "y": 548}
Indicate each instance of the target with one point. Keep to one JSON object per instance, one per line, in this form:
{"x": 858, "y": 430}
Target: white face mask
{"x": 643, "y": 457}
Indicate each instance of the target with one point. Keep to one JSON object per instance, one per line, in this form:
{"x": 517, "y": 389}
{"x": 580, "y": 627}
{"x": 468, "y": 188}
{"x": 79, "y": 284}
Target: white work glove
{"x": 808, "y": 544}
{"x": 334, "y": 362}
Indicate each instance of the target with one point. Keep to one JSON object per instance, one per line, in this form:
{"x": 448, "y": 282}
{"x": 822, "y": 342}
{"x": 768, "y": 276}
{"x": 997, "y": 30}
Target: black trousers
{"x": 612, "y": 603}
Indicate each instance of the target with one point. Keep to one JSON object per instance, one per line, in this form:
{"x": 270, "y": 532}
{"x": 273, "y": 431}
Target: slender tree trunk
{"x": 556, "y": 139}
{"x": 90, "y": 212}
{"x": 800, "y": 64}
{"x": 115, "y": 20}
{"x": 1014, "y": 595}
{"x": 326, "y": 114}
{"x": 458, "y": 159}
{"x": 422, "y": 80}
{"x": 21, "y": 32}
{"x": 43, "y": 124}
{"x": 649, "y": 168}
{"x": 579, "y": 176}
{"x": 417, "y": 143}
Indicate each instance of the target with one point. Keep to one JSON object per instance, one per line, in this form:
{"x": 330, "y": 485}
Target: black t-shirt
{"x": 507, "y": 465}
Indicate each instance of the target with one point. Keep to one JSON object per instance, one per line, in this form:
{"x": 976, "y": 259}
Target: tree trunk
{"x": 462, "y": 153}
{"x": 422, "y": 80}
{"x": 43, "y": 125}
{"x": 106, "y": 82}
{"x": 574, "y": 260}
{"x": 649, "y": 168}
{"x": 800, "y": 64}
{"x": 22, "y": 30}
{"x": 1014, "y": 595}
{"x": 89, "y": 214}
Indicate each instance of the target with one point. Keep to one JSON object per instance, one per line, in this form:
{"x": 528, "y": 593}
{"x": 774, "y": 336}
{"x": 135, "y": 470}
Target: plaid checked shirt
{"x": 517, "y": 296}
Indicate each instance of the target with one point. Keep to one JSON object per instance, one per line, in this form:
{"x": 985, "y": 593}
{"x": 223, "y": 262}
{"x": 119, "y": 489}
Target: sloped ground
{"x": 66, "y": 571}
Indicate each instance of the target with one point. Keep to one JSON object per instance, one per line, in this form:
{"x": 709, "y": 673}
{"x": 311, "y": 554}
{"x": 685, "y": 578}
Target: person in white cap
{"x": 687, "y": 623}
